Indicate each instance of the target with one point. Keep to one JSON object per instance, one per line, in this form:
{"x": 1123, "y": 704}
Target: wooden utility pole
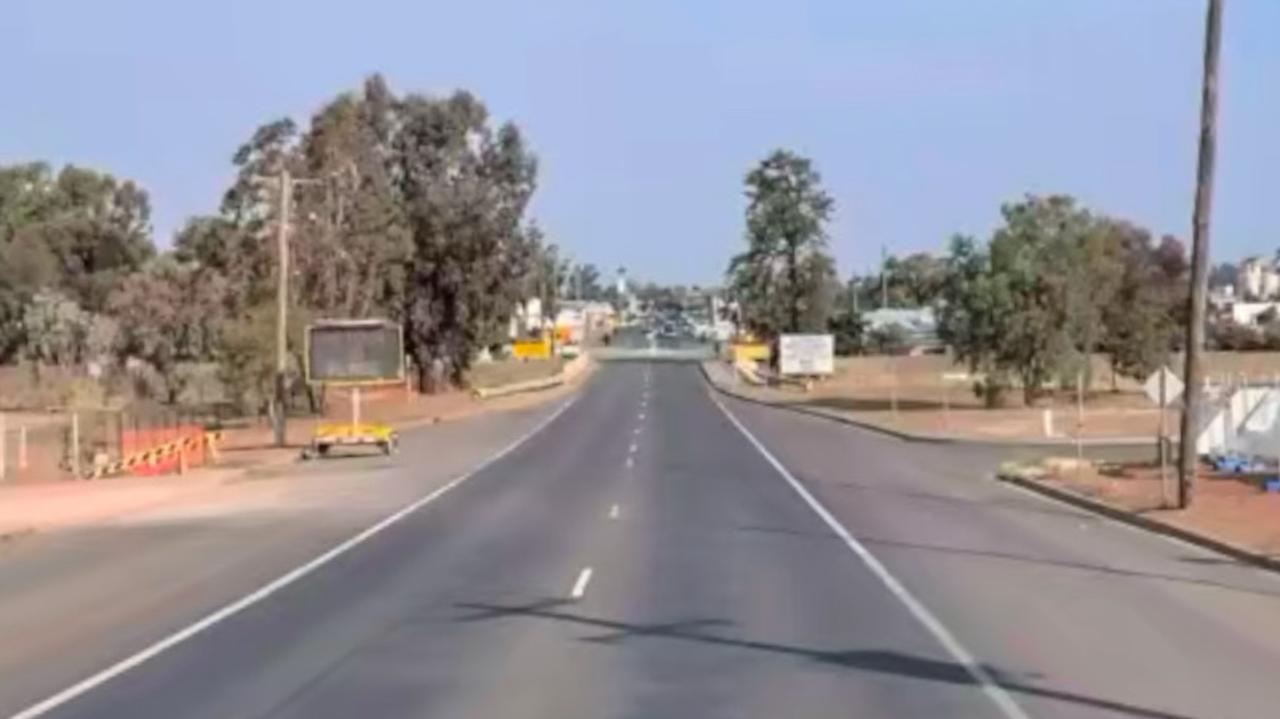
{"x": 282, "y": 307}
{"x": 1194, "y": 372}
{"x": 285, "y": 182}
{"x": 884, "y": 278}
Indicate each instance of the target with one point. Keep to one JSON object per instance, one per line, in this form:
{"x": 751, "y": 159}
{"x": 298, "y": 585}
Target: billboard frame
{"x": 826, "y": 338}
{"x": 374, "y": 322}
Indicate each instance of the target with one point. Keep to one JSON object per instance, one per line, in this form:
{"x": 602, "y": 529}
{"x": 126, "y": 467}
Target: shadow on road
{"x": 1020, "y": 558}
{"x": 1016, "y": 504}
{"x": 867, "y": 660}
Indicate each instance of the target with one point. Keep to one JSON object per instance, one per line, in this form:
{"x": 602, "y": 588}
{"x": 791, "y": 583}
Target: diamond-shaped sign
{"x": 1172, "y": 387}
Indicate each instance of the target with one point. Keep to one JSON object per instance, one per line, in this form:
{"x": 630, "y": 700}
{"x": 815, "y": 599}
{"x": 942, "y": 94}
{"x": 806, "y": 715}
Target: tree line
{"x": 412, "y": 208}
{"x": 1054, "y": 284}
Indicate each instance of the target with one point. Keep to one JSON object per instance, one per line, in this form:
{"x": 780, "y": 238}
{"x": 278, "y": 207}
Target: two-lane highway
{"x": 654, "y": 551}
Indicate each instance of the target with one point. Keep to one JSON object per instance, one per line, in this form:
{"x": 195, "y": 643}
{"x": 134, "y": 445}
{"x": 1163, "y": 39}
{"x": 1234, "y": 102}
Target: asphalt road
{"x": 642, "y": 555}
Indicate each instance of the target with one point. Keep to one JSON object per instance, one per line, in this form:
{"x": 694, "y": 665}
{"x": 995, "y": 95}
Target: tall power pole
{"x": 1194, "y": 372}
{"x": 285, "y": 182}
{"x": 282, "y": 306}
{"x": 884, "y": 277}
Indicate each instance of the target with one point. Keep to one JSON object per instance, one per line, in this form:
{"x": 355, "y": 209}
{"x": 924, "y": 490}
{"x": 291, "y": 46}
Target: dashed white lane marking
{"x": 998, "y": 696}
{"x": 637, "y": 431}
{"x": 613, "y": 512}
{"x": 631, "y": 462}
{"x": 580, "y": 586}
{"x": 641, "y": 416}
{"x": 53, "y": 702}
{"x": 632, "y": 450}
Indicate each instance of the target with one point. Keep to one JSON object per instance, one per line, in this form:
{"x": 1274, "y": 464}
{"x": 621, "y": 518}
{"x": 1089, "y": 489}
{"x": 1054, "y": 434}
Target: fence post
{"x": 22, "y": 447}
{"x": 75, "y": 444}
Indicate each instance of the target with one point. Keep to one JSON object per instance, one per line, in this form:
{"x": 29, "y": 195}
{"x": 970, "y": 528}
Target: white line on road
{"x": 985, "y": 681}
{"x": 631, "y": 462}
{"x": 632, "y": 450}
{"x": 613, "y": 512}
{"x": 642, "y": 416}
{"x": 636, "y": 431}
{"x": 580, "y": 586}
{"x": 53, "y": 702}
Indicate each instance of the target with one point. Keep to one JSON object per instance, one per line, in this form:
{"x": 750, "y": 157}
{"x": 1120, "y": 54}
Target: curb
{"x": 907, "y": 436}
{"x": 532, "y": 385}
{"x": 1204, "y": 541}
{"x": 896, "y": 434}
{"x": 567, "y": 374}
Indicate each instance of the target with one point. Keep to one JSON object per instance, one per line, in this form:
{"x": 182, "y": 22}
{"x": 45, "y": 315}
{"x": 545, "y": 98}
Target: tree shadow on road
{"x": 1012, "y": 504}
{"x": 879, "y": 661}
{"x": 1020, "y": 558}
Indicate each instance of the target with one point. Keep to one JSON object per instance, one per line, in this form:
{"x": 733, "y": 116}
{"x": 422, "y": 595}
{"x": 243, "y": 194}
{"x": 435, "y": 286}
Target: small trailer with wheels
{"x": 342, "y": 434}
{"x": 354, "y": 354}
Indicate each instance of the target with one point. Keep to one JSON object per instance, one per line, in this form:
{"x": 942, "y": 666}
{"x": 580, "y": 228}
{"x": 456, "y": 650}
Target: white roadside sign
{"x": 806, "y": 354}
{"x": 1172, "y": 387}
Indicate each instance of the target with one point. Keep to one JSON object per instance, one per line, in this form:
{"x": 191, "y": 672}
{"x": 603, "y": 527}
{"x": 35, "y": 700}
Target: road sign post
{"x": 1164, "y": 388}
{"x": 354, "y": 354}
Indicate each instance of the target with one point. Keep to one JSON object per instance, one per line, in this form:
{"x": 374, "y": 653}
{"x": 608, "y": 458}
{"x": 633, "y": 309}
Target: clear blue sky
{"x": 922, "y": 116}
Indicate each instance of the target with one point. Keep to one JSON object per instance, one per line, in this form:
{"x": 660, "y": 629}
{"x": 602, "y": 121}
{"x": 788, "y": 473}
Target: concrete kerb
{"x": 1015, "y": 476}
{"x": 571, "y": 370}
{"x": 1042, "y": 445}
{"x": 880, "y": 429}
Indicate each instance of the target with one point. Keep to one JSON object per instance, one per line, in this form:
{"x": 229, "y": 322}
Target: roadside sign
{"x": 1163, "y": 387}
{"x": 806, "y": 354}
{"x": 354, "y": 352}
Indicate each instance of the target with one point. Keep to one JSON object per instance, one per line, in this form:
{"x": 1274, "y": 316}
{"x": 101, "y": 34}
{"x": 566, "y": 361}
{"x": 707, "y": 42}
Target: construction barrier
{"x": 532, "y": 348}
{"x": 178, "y": 454}
{"x": 751, "y": 352}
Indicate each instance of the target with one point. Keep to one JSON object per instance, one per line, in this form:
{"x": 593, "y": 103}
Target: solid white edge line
{"x": 580, "y": 586}
{"x": 985, "y": 681}
{"x": 85, "y": 685}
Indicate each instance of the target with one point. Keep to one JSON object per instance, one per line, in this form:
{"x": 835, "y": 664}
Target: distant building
{"x": 1253, "y": 314}
{"x": 579, "y": 319}
{"x": 919, "y": 324}
{"x": 1258, "y": 279}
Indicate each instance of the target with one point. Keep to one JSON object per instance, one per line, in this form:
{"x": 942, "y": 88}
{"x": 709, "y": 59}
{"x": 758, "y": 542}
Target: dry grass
{"x": 508, "y": 371}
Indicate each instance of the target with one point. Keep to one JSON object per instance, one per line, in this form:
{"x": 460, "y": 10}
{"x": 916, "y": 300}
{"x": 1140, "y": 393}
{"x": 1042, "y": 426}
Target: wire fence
{"x": 46, "y": 447}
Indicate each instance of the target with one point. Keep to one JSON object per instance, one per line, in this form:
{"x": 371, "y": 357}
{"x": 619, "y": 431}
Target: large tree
{"x": 976, "y": 314}
{"x": 410, "y": 207}
{"x": 76, "y": 232}
{"x": 785, "y": 279}
{"x": 357, "y": 237}
{"x": 915, "y": 280}
{"x": 170, "y": 312}
{"x": 584, "y": 281}
{"x": 1139, "y": 320}
{"x": 1055, "y": 285}
{"x": 465, "y": 186}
